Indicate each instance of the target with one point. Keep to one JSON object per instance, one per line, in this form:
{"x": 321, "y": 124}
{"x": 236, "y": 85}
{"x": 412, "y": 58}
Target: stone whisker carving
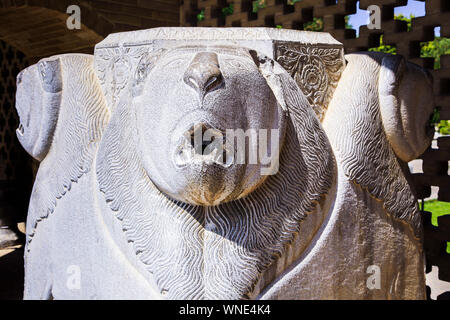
{"x": 149, "y": 211}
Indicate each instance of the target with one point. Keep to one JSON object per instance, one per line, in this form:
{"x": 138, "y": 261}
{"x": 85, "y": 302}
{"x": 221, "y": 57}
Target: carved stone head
{"x": 186, "y": 93}
{"x": 175, "y": 202}
{"x": 38, "y": 99}
{"x": 406, "y": 102}
{"x": 203, "y": 82}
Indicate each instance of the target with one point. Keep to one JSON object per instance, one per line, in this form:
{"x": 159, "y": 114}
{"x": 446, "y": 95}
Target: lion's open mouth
{"x": 203, "y": 144}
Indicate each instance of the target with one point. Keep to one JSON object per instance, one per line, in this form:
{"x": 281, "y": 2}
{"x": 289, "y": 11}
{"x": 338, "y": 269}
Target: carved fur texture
{"x": 111, "y": 157}
{"x": 360, "y": 141}
{"x": 82, "y": 117}
{"x": 215, "y": 252}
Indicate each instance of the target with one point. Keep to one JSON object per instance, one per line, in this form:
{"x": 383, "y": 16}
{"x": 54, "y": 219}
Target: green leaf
{"x": 435, "y": 116}
{"x": 201, "y": 16}
{"x": 384, "y": 48}
{"x": 315, "y": 25}
{"x": 227, "y": 11}
{"x": 444, "y": 127}
{"x": 347, "y": 25}
{"x": 401, "y": 17}
{"x": 435, "y": 49}
{"x": 258, "y": 4}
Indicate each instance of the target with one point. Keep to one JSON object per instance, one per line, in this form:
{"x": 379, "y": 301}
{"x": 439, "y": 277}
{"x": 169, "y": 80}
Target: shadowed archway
{"x": 39, "y": 32}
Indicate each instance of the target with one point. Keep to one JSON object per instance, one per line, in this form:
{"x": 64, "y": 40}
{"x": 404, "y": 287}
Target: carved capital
{"x": 316, "y": 69}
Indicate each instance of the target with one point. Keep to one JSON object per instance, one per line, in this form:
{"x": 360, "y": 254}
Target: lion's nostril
{"x": 193, "y": 82}
{"x": 203, "y": 74}
{"x": 213, "y": 82}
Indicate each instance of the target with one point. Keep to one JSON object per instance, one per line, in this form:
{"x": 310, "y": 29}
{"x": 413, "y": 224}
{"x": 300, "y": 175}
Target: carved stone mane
{"x": 364, "y": 150}
{"x": 82, "y": 117}
{"x": 245, "y": 235}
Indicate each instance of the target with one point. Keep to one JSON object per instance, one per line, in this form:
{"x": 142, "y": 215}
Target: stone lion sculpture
{"x": 377, "y": 121}
{"x": 127, "y": 205}
{"x": 62, "y": 115}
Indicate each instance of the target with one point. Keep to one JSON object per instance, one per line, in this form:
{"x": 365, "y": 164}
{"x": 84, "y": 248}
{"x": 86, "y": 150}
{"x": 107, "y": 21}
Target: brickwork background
{"x": 15, "y": 164}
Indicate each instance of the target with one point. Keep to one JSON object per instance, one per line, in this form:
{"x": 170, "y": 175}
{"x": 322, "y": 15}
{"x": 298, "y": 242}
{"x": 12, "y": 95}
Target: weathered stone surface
{"x": 126, "y": 204}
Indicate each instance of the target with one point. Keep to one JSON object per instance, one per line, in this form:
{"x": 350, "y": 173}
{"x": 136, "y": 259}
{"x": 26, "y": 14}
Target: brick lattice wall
{"x": 15, "y": 164}
{"x": 407, "y": 43}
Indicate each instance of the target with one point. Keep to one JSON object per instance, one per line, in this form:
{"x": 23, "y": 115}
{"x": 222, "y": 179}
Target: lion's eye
{"x": 42, "y": 67}
{"x": 45, "y": 72}
{"x": 176, "y": 63}
{"x": 19, "y": 78}
{"x": 141, "y": 71}
{"x": 234, "y": 64}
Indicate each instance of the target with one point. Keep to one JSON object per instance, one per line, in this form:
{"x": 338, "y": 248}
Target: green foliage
{"x": 388, "y": 48}
{"x": 347, "y": 25}
{"x": 435, "y": 49}
{"x": 406, "y": 19}
{"x": 436, "y": 116}
{"x": 384, "y": 47}
{"x": 443, "y": 127}
{"x": 437, "y": 208}
{"x": 259, "y": 4}
{"x": 279, "y": 26}
{"x": 227, "y": 11}
{"x": 201, "y": 16}
{"x": 315, "y": 25}
{"x": 432, "y": 49}
{"x": 292, "y": 2}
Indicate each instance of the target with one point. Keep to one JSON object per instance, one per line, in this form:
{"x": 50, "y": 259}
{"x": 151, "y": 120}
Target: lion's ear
{"x": 283, "y": 86}
{"x": 406, "y": 103}
{"x": 50, "y": 74}
{"x": 38, "y": 101}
